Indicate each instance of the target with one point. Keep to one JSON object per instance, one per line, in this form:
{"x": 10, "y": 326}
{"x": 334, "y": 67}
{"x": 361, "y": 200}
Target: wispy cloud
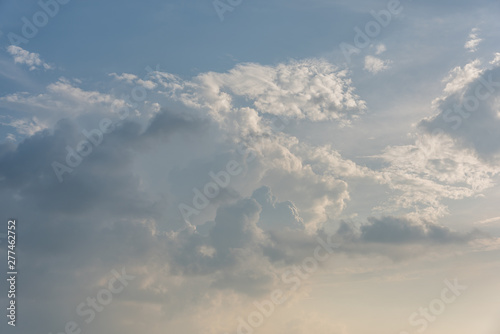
{"x": 31, "y": 59}
{"x": 473, "y": 41}
{"x": 488, "y": 221}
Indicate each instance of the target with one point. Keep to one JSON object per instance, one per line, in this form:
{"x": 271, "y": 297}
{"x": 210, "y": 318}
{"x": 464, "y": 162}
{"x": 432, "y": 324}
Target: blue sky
{"x": 343, "y": 153}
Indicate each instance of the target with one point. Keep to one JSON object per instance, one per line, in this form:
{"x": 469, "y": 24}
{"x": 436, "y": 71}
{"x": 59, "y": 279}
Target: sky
{"x": 235, "y": 166}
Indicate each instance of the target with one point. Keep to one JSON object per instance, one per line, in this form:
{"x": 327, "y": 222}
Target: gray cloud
{"x": 392, "y": 230}
{"x": 470, "y": 115}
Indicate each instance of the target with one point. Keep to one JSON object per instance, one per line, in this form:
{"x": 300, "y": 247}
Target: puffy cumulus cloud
{"x": 469, "y": 112}
{"x": 310, "y": 89}
{"x": 281, "y": 160}
{"x": 308, "y": 182}
{"x": 459, "y": 77}
{"x": 239, "y": 246}
{"x": 238, "y": 252}
{"x": 375, "y": 65}
{"x": 180, "y": 276}
{"x": 114, "y": 212}
{"x": 325, "y": 160}
{"x": 283, "y": 166}
{"x": 276, "y": 215}
{"x": 473, "y": 41}
{"x": 31, "y": 59}
{"x": 237, "y": 255}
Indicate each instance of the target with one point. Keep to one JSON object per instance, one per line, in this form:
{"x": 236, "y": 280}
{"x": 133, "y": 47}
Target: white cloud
{"x": 61, "y": 99}
{"x": 146, "y": 84}
{"x": 496, "y": 60}
{"x": 488, "y": 221}
{"x": 27, "y": 126}
{"x": 375, "y": 65}
{"x": 473, "y": 41}
{"x": 460, "y": 77}
{"x": 310, "y": 89}
{"x": 132, "y": 78}
{"x": 455, "y": 157}
{"x": 127, "y": 77}
{"x": 31, "y": 59}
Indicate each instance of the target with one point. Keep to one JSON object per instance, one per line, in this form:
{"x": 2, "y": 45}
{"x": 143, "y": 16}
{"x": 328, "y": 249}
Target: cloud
{"x": 127, "y": 77}
{"x": 122, "y": 199}
{"x": 454, "y": 151}
{"x": 474, "y": 40}
{"x": 496, "y": 60}
{"x": 469, "y": 113}
{"x": 27, "y": 126}
{"x": 107, "y": 204}
{"x": 431, "y": 170}
{"x": 315, "y": 89}
{"x": 63, "y": 99}
{"x": 393, "y": 230}
{"x": 460, "y": 77}
{"x": 276, "y": 215}
{"x": 30, "y": 59}
{"x": 132, "y": 78}
{"x": 310, "y": 89}
{"x": 488, "y": 221}
{"x": 375, "y": 65}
